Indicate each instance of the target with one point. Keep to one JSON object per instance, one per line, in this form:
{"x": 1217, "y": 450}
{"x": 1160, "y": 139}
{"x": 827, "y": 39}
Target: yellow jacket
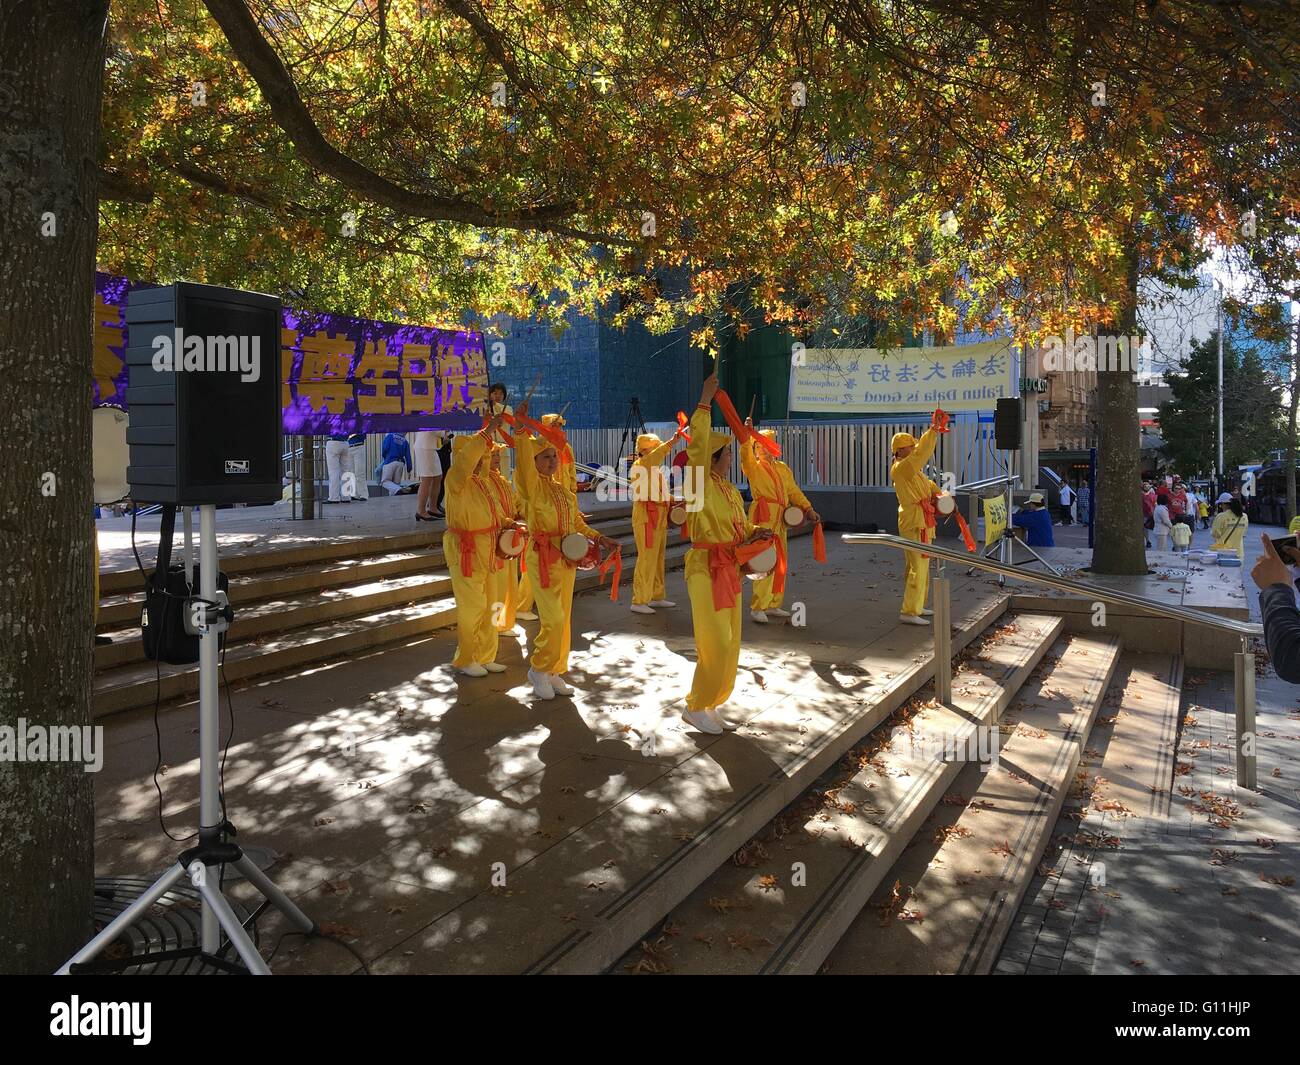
{"x": 506, "y": 497}
{"x": 550, "y": 505}
{"x": 651, "y": 486}
{"x": 770, "y": 480}
{"x": 1228, "y": 531}
{"x": 911, "y": 485}
{"x": 721, "y": 518}
{"x": 471, "y": 502}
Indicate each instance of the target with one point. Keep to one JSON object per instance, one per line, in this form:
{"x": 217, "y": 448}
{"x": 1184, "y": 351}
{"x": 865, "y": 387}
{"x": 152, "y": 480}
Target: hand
{"x": 760, "y": 534}
{"x": 710, "y": 389}
{"x": 610, "y": 545}
{"x": 939, "y": 420}
{"x": 813, "y": 516}
{"x": 749, "y": 423}
{"x": 521, "y": 411}
{"x": 494, "y": 424}
{"x": 1270, "y": 569}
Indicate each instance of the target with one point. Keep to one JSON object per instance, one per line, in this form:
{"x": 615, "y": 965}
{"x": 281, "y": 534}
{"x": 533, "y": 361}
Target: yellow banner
{"x": 995, "y": 519}
{"x": 961, "y": 377}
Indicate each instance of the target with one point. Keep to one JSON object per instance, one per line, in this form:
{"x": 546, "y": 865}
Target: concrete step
{"x": 799, "y": 883}
{"x": 339, "y": 594}
{"x": 320, "y": 549}
{"x": 946, "y": 906}
{"x": 288, "y": 639}
{"x": 1122, "y": 793}
{"x": 580, "y": 903}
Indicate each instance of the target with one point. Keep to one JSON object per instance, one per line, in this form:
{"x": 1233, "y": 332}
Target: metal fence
{"x": 821, "y": 454}
{"x": 836, "y": 454}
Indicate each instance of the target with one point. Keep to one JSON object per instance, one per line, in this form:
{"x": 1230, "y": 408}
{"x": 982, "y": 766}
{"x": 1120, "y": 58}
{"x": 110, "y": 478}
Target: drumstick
{"x": 750, "y": 416}
{"x": 564, "y": 408}
{"x": 533, "y": 388}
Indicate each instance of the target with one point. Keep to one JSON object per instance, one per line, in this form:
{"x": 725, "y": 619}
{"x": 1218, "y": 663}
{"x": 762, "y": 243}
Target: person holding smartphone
{"x": 1277, "y": 604}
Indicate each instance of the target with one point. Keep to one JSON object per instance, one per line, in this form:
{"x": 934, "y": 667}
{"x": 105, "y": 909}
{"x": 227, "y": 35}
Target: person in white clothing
{"x": 1164, "y": 524}
{"x": 428, "y": 467}
{"x": 506, "y": 460}
{"x": 1067, "y": 505}
{"x": 338, "y": 461}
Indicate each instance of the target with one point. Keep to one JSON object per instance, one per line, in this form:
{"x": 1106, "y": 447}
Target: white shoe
{"x": 473, "y": 670}
{"x": 912, "y": 619}
{"x": 641, "y": 608}
{"x": 525, "y": 615}
{"x": 926, "y": 612}
{"x": 558, "y": 685}
{"x": 777, "y": 612}
{"x": 541, "y": 685}
{"x": 662, "y": 603}
{"x": 730, "y": 726}
{"x": 758, "y": 616}
{"x": 493, "y": 667}
{"x": 703, "y": 721}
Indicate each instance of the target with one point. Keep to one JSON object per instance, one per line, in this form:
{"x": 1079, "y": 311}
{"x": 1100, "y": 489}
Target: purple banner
{"x": 338, "y": 374}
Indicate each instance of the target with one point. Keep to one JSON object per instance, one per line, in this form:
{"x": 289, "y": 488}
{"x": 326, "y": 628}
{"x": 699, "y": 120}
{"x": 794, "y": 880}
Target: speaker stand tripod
{"x": 1006, "y": 544}
{"x": 202, "y": 864}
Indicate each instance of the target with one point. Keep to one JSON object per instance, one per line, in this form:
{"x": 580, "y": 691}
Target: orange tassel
{"x": 615, "y": 560}
{"x": 966, "y": 537}
{"x": 819, "y": 543}
{"x": 778, "y": 576}
{"x": 682, "y": 423}
{"x": 731, "y": 416}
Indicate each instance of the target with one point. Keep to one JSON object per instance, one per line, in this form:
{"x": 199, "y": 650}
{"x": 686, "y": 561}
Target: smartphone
{"x": 1287, "y": 549}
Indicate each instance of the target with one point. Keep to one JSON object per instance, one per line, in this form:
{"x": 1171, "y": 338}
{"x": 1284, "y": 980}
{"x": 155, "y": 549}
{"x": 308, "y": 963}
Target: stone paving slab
{"x": 1208, "y": 889}
{"x": 845, "y": 832}
{"x": 391, "y": 774}
{"x": 946, "y": 904}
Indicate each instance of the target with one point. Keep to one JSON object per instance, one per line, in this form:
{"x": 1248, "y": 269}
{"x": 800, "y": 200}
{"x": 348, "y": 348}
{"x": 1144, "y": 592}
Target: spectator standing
{"x": 1085, "y": 502}
{"x": 1067, "y": 504}
{"x": 1163, "y": 522}
{"x": 1230, "y": 525}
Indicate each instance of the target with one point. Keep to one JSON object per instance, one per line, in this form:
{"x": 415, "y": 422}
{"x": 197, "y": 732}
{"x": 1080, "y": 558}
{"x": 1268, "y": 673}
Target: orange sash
{"x": 725, "y": 561}
{"x": 466, "y": 538}
{"x": 654, "y": 517}
{"x": 548, "y": 552}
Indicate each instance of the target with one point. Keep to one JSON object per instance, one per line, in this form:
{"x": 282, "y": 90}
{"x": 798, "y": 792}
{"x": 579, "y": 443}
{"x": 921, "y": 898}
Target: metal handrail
{"x": 1243, "y": 661}
{"x": 1064, "y": 584}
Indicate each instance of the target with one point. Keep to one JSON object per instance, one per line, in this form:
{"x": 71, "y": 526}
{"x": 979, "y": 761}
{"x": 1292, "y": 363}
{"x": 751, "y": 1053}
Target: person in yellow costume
{"x": 505, "y": 579}
{"x": 1230, "y": 524}
{"x": 773, "y": 488}
{"x": 916, "y": 520}
{"x": 720, "y": 532}
{"x": 651, "y": 501}
{"x": 568, "y": 473}
{"x": 551, "y": 511}
{"x": 469, "y": 547}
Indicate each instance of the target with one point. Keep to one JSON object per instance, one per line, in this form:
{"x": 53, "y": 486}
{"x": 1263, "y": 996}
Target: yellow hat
{"x": 769, "y": 433}
{"x": 553, "y": 419}
{"x": 460, "y": 443}
{"x": 901, "y": 440}
{"x": 717, "y": 441}
{"x": 647, "y": 442}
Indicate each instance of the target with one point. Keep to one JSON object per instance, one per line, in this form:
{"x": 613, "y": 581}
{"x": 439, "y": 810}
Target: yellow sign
{"x": 961, "y": 377}
{"x": 995, "y": 519}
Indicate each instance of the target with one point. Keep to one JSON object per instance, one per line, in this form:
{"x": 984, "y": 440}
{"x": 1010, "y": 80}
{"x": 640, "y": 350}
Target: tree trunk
{"x": 1292, "y": 412}
{"x": 1119, "y": 537}
{"x": 51, "y": 71}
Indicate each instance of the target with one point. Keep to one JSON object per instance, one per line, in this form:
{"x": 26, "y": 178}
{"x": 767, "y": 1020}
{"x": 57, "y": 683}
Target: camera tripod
{"x": 633, "y": 425}
{"x": 202, "y": 863}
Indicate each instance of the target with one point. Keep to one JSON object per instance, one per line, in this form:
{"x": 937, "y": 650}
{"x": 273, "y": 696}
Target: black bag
{"x": 166, "y": 600}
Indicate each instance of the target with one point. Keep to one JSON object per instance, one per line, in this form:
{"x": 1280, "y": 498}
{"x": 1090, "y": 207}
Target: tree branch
{"x": 292, "y": 116}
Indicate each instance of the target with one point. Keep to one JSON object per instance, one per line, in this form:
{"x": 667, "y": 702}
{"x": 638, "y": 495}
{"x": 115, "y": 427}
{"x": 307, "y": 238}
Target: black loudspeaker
{"x": 204, "y": 395}
{"x": 1007, "y": 422}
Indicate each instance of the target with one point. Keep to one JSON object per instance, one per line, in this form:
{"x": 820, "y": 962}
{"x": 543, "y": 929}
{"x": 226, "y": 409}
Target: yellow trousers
{"x": 476, "y": 635}
{"x": 717, "y": 638}
{"x": 648, "y": 577}
{"x": 504, "y": 589}
{"x": 524, "y": 592}
{"x": 918, "y": 570}
{"x": 765, "y": 597}
{"x": 555, "y": 609}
